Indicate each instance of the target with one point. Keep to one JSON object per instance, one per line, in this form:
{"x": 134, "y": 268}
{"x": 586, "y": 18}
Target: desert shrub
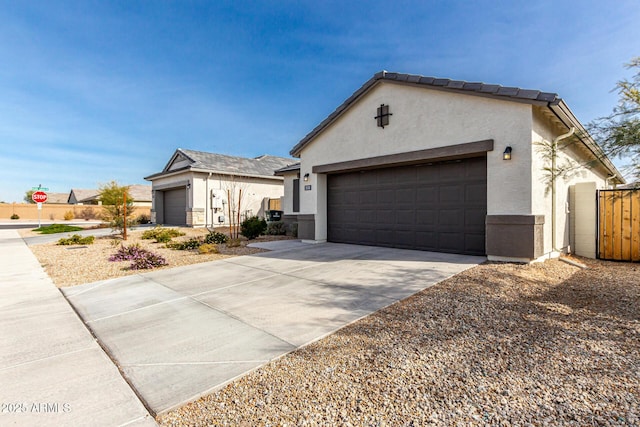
{"x": 192, "y": 243}
{"x": 143, "y": 219}
{"x": 216, "y": 237}
{"x": 162, "y": 235}
{"x": 147, "y": 261}
{"x": 68, "y": 215}
{"x": 87, "y": 214}
{"x": 15, "y": 216}
{"x": 52, "y": 216}
{"x": 208, "y": 248}
{"x": 234, "y": 243}
{"x": 276, "y": 228}
{"x": 76, "y": 239}
{"x": 252, "y": 227}
{"x": 141, "y": 259}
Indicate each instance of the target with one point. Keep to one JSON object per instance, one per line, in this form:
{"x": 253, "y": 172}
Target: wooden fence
{"x": 275, "y": 204}
{"x": 619, "y": 225}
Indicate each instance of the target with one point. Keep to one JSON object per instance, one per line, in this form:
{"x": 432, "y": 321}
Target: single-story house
{"x": 199, "y": 189}
{"x": 450, "y": 166}
{"x": 57, "y": 198}
{"x": 141, "y": 195}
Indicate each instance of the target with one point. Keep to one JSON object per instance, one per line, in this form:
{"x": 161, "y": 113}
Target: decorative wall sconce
{"x": 507, "y": 153}
{"x": 306, "y": 177}
{"x": 188, "y": 185}
{"x": 383, "y": 116}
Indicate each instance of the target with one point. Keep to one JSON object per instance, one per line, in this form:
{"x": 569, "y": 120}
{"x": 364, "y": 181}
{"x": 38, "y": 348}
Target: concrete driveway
{"x": 180, "y": 333}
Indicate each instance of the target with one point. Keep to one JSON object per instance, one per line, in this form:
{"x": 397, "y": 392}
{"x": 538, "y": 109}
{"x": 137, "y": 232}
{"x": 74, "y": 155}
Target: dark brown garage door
{"x": 436, "y": 207}
{"x": 175, "y": 202}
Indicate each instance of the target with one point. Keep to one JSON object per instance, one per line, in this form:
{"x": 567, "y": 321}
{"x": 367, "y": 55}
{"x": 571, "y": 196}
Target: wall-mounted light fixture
{"x": 188, "y": 185}
{"x": 382, "y": 119}
{"x": 306, "y": 177}
{"x": 507, "y": 153}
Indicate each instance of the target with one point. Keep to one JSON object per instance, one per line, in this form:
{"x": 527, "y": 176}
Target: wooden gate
{"x": 275, "y": 204}
{"x": 619, "y": 225}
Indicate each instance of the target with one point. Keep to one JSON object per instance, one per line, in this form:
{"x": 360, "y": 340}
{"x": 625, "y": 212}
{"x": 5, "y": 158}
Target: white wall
{"x": 425, "y": 118}
{"x": 287, "y": 202}
{"x": 254, "y": 190}
{"x": 198, "y": 204}
{"x": 569, "y": 153}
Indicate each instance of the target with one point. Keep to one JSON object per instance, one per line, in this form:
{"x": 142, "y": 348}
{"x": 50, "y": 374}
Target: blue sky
{"x": 94, "y": 91}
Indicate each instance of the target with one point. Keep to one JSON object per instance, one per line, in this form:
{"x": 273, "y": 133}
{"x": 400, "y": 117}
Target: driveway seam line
{"x": 88, "y": 348}
{"x": 136, "y": 365}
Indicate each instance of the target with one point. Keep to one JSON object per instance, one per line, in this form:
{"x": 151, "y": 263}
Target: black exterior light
{"x": 507, "y": 153}
{"x": 306, "y": 177}
{"x": 383, "y": 116}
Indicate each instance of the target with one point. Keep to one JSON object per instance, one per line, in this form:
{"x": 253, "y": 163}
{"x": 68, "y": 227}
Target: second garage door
{"x": 175, "y": 202}
{"x": 437, "y": 207}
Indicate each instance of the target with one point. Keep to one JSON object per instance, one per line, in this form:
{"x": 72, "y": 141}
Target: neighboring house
{"x": 57, "y": 198}
{"x": 141, "y": 195}
{"x": 421, "y": 163}
{"x": 79, "y": 196}
{"x": 195, "y": 187}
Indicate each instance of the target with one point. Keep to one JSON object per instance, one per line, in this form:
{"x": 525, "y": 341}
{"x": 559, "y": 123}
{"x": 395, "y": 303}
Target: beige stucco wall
{"x": 425, "y": 118}
{"x": 287, "y": 200}
{"x": 568, "y": 152}
{"x": 199, "y": 212}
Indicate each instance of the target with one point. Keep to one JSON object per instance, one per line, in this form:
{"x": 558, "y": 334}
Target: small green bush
{"x": 276, "y": 228}
{"x": 76, "y": 239}
{"x": 15, "y": 216}
{"x": 216, "y": 237}
{"x": 186, "y": 245}
{"x": 161, "y": 235}
{"x": 294, "y": 229}
{"x": 208, "y": 248}
{"x": 253, "y": 227}
{"x": 143, "y": 219}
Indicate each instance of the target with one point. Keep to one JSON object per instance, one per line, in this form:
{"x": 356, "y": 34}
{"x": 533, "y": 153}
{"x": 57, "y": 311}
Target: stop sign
{"x": 39, "y": 196}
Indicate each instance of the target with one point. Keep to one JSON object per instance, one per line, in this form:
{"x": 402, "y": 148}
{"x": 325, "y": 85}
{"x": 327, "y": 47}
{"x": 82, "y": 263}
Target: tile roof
{"x": 140, "y": 192}
{"x": 459, "y": 86}
{"x": 261, "y": 166}
{"x": 290, "y": 168}
{"x": 84, "y": 194}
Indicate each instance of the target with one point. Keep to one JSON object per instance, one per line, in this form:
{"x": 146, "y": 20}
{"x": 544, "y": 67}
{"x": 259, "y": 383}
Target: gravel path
{"x": 500, "y": 344}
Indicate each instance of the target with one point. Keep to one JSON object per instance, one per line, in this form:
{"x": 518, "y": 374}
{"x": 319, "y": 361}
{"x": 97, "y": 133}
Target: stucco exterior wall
{"x": 426, "y": 118}
{"x": 569, "y": 152}
{"x": 287, "y": 200}
{"x": 198, "y": 206}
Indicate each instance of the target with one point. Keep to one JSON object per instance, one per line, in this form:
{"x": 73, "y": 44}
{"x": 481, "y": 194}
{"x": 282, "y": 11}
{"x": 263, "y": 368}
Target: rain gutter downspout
{"x": 554, "y": 150}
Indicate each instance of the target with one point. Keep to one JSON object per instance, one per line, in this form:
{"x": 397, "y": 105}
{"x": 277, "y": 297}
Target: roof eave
{"x": 566, "y": 116}
{"x": 211, "y": 171}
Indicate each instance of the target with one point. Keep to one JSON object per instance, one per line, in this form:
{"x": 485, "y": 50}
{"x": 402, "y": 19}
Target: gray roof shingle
{"x": 261, "y": 166}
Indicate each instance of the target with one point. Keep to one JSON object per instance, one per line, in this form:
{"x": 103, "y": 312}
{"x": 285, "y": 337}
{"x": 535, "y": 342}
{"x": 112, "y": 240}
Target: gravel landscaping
{"x": 78, "y": 264}
{"x": 500, "y": 344}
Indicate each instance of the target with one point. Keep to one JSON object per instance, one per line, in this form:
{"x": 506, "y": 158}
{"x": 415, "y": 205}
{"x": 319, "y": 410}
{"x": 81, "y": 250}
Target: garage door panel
{"x": 438, "y": 207}
{"x": 174, "y": 206}
{"x": 427, "y": 194}
{"x": 474, "y": 243}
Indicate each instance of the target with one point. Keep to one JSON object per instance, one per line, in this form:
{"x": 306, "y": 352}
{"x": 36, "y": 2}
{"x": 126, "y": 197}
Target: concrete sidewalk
{"x": 52, "y": 371}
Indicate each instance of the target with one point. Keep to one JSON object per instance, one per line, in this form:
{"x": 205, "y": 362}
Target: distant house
{"x": 195, "y": 187}
{"x": 57, "y": 198}
{"x": 79, "y": 196}
{"x": 141, "y": 195}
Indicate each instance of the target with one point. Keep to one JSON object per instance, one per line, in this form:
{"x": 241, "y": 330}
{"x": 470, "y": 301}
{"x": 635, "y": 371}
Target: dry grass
{"x": 499, "y": 344}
